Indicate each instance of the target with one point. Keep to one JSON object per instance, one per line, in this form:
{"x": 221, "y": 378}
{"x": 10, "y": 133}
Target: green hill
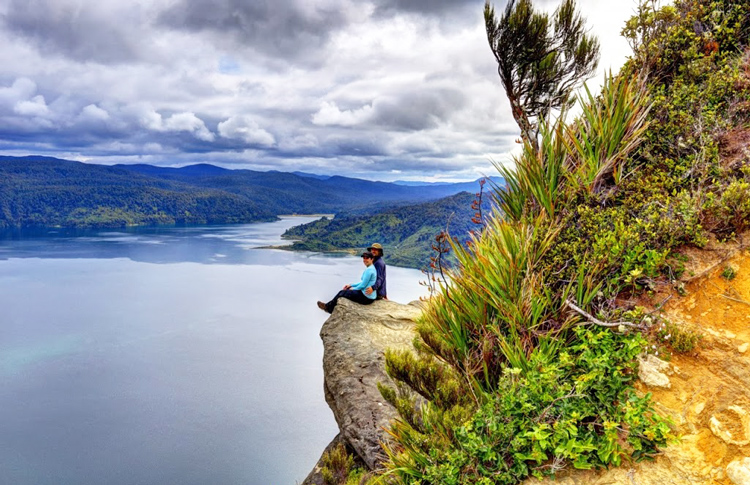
{"x": 407, "y": 232}
{"x": 44, "y": 191}
{"x": 39, "y": 191}
{"x": 285, "y": 192}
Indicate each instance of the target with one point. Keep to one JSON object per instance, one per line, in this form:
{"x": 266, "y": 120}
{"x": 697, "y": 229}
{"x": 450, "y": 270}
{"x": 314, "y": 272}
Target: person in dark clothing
{"x": 379, "y": 286}
{"x": 356, "y": 292}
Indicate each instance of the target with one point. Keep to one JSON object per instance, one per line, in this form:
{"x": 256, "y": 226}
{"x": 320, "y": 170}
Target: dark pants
{"x": 353, "y": 295}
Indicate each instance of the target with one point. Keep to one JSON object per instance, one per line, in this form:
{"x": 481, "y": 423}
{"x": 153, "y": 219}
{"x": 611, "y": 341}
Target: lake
{"x": 184, "y": 355}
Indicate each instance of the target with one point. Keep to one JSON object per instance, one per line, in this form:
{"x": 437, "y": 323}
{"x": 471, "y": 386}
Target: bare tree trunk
{"x": 528, "y": 132}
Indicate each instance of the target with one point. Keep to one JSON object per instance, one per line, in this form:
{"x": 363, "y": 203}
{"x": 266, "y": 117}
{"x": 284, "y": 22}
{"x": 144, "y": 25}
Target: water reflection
{"x": 204, "y": 368}
{"x": 230, "y": 244}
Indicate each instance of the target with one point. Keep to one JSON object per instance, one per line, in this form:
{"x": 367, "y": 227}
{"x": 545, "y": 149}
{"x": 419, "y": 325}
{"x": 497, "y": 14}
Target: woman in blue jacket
{"x": 356, "y": 292}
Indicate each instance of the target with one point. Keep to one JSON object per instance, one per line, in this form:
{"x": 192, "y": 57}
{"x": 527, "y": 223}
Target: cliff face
{"x": 354, "y": 339}
{"x": 706, "y": 394}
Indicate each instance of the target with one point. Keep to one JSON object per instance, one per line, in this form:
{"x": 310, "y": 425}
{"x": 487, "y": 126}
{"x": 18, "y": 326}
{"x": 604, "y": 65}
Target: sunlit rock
{"x": 739, "y": 472}
{"x": 651, "y": 370}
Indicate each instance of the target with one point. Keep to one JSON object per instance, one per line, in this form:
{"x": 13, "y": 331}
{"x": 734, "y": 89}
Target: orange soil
{"x": 713, "y": 384}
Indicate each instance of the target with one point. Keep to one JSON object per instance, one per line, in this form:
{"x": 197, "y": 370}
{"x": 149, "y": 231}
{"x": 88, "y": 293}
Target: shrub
{"x": 729, "y": 212}
{"x": 338, "y": 467}
{"x": 576, "y": 407}
{"x": 678, "y": 338}
{"x": 728, "y": 273}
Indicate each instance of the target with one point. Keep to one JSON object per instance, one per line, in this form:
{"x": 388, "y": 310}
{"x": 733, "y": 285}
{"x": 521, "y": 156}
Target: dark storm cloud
{"x": 425, "y": 7}
{"x": 67, "y": 28}
{"x": 271, "y": 27}
{"x": 418, "y": 111}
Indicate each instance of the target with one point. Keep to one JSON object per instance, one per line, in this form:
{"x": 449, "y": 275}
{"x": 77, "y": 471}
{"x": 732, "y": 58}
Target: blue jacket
{"x": 379, "y": 285}
{"x": 369, "y": 275}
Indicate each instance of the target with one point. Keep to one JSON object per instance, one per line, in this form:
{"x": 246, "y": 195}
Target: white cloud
{"x": 330, "y": 115}
{"x": 178, "y": 122}
{"x": 36, "y": 106}
{"x": 93, "y": 112}
{"x": 245, "y": 129}
{"x": 190, "y": 123}
{"x": 22, "y": 89}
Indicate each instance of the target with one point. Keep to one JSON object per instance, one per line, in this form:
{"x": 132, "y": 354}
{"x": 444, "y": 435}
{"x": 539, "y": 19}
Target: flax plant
{"x": 610, "y": 127}
{"x": 534, "y": 184}
{"x": 496, "y": 308}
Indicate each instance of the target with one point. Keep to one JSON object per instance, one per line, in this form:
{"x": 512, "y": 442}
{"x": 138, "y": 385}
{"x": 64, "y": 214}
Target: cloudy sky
{"x": 385, "y": 89}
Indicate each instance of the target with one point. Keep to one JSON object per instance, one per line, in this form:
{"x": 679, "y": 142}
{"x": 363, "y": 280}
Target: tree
{"x": 540, "y": 59}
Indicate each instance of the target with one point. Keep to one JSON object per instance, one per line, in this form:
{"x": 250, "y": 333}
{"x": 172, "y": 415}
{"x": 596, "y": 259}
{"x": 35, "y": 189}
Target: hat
{"x": 368, "y": 254}
{"x": 376, "y": 246}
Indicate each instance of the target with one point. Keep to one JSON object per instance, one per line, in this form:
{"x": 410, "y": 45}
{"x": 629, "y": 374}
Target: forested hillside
{"x": 407, "y": 232}
{"x": 292, "y": 193}
{"x": 37, "y": 191}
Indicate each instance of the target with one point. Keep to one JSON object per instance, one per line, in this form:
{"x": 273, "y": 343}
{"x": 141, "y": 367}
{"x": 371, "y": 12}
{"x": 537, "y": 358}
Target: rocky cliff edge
{"x": 355, "y": 338}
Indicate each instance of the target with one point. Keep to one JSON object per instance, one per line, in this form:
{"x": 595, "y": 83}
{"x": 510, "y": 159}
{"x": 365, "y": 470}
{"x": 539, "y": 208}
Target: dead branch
{"x": 596, "y": 321}
{"x": 734, "y": 299}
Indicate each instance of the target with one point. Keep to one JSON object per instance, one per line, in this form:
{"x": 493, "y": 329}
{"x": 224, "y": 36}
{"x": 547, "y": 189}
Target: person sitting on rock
{"x": 357, "y": 291}
{"x": 379, "y": 286}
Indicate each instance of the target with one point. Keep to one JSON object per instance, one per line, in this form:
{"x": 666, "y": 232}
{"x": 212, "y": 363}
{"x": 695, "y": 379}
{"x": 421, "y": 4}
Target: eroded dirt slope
{"x": 709, "y": 396}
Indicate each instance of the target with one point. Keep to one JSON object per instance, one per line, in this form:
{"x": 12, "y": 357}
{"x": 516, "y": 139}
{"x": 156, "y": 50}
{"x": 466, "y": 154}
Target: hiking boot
{"x": 322, "y": 306}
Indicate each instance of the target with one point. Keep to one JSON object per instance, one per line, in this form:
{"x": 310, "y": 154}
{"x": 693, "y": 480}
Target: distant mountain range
{"x": 40, "y": 191}
{"x": 285, "y": 192}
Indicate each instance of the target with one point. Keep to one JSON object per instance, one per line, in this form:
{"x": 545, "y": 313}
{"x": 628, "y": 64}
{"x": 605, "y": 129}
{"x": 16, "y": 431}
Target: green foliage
{"x": 620, "y": 239}
{"x": 665, "y": 40}
{"x": 698, "y": 77}
{"x": 511, "y": 386}
{"x": 590, "y": 209}
{"x": 678, "y": 338}
{"x": 574, "y": 408}
{"x": 541, "y": 59}
{"x": 577, "y": 168}
{"x": 610, "y": 127}
{"x": 496, "y": 302}
{"x": 729, "y": 212}
{"x": 338, "y": 468}
{"x": 537, "y": 180}
{"x": 425, "y": 376}
{"x": 678, "y": 187}
{"x": 729, "y": 273}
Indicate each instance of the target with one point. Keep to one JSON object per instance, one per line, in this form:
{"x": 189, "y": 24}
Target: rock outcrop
{"x": 354, "y": 340}
{"x": 651, "y": 371}
{"x": 739, "y": 471}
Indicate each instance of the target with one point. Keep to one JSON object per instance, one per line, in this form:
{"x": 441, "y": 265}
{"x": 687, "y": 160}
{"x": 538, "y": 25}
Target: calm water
{"x": 166, "y": 356}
